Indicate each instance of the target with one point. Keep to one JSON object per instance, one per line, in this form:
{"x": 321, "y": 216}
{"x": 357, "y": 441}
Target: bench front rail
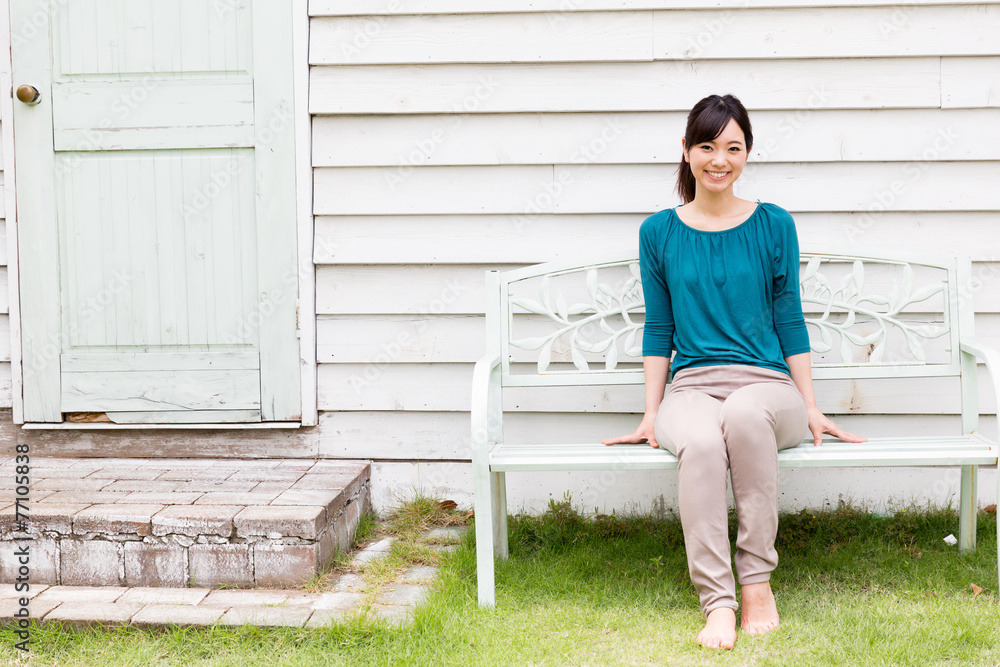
{"x": 577, "y": 325}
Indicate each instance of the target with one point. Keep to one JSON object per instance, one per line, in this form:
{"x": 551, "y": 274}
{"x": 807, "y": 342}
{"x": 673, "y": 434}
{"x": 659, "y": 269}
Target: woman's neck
{"x": 722, "y": 214}
{"x": 717, "y": 205}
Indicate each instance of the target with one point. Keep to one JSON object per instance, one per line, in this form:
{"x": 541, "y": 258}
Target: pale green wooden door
{"x": 156, "y": 212}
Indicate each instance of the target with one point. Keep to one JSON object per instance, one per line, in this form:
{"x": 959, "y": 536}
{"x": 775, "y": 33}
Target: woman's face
{"x": 717, "y": 163}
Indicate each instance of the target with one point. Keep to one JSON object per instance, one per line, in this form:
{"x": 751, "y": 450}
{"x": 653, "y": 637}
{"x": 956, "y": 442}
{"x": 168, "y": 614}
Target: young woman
{"x": 720, "y": 276}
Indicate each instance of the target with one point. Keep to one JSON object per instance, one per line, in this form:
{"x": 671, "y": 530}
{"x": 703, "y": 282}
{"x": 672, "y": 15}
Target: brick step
{"x": 350, "y": 595}
{"x": 180, "y": 522}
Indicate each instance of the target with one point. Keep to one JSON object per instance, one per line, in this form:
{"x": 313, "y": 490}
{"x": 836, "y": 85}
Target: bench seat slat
{"x": 923, "y": 451}
{"x": 915, "y": 442}
{"x": 900, "y": 459}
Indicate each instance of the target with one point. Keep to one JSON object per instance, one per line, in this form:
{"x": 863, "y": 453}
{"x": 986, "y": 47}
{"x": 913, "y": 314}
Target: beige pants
{"x": 735, "y": 418}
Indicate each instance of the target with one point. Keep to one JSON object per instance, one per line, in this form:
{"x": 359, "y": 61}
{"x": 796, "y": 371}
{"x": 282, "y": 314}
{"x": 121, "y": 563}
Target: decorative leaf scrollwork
{"x": 610, "y": 309}
{"x": 841, "y": 305}
{"x": 883, "y": 310}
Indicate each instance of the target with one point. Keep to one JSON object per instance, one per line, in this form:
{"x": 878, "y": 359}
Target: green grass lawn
{"x": 852, "y": 589}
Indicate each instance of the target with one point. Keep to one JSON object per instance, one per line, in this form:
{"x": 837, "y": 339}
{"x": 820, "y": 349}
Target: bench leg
{"x": 967, "y": 510}
{"x": 499, "y": 486}
{"x": 485, "y": 531}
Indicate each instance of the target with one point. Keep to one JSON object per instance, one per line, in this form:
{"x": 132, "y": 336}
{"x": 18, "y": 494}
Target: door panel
{"x": 174, "y": 265}
{"x": 185, "y": 417}
{"x": 154, "y": 113}
{"x": 111, "y": 382}
{"x": 141, "y": 36}
{"x": 160, "y": 390}
{"x": 164, "y": 187}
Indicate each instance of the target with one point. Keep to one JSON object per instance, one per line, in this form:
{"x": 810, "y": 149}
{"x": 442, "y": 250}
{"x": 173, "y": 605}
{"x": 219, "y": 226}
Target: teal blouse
{"x": 727, "y": 297}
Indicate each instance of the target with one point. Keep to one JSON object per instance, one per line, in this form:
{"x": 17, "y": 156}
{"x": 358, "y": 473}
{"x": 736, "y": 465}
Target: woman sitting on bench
{"x": 720, "y": 277}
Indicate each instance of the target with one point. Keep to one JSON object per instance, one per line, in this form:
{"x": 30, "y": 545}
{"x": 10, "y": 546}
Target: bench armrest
{"x": 989, "y": 355}
{"x": 487, "y": 412}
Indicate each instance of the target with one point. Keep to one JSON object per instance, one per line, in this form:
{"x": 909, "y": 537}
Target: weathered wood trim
{"x": 185, "y": 417}
{"x": 304, "y": 213}
{"x": 260, "y": 440}
{"x": 277, "y": 210}
{"x": 39, "y": 322}
{"x": 103, "y": 426}
{"x": 10, "y": 202}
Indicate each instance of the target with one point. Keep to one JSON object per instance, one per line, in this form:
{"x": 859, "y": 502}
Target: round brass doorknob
{"x": 28, "y": 94}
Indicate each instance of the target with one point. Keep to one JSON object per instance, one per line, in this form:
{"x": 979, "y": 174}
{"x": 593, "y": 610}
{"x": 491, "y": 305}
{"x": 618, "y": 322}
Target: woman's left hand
{"x": 820, "y": 424}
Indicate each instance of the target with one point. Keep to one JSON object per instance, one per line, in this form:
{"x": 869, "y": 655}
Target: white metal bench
{"x": 576, "y": 326}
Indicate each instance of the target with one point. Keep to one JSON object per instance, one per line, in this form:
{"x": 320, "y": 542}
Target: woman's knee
{"x": 775, "y": 407}
{"x": 744, "y": 409}
{"x": 700, "y": 448}
{"x": 688, "y": 420}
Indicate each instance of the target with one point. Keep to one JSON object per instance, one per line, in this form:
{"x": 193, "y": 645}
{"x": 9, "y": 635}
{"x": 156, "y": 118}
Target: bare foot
{"x": 720, "y": 629}
{"x": 758, "y": 611}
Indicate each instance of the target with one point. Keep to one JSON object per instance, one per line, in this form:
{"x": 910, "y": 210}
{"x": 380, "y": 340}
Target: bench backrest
{"x": 581, "y": 322}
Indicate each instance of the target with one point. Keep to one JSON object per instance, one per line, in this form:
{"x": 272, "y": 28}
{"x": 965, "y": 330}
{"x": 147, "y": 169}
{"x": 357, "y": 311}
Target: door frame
{"x": 306, "y": 306}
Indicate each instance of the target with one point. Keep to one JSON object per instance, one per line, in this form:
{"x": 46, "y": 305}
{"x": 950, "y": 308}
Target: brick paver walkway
{"x": 144, "y": 606}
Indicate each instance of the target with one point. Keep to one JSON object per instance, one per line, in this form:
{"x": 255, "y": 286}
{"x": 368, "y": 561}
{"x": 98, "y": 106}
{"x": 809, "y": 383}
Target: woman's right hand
{"x": 642, "y": 434}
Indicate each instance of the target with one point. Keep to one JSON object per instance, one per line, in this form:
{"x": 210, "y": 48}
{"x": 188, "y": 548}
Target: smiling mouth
{"x": 717, "y": 174}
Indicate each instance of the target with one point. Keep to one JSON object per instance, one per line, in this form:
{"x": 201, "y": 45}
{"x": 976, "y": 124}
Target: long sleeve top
{"x": 725, "y": 297}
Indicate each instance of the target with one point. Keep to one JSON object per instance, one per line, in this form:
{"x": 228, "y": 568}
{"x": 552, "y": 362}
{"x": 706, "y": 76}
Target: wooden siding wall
{"x": 450, "y": 137}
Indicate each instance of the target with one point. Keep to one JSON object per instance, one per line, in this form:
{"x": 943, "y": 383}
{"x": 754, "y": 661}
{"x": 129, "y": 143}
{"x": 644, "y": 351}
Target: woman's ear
{"x": 684, "y": 149}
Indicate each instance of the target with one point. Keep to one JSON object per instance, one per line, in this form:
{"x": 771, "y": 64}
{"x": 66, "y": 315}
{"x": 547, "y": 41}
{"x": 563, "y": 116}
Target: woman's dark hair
{"x": 705, "y": 122}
